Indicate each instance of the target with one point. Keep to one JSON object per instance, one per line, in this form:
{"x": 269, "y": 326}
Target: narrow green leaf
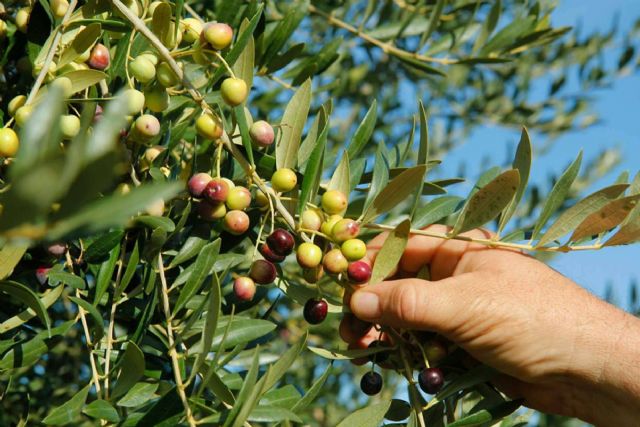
{"x": 132, "y": 369}
{"x": 28, "y": 298}
{"x": 608, "y": 217}
{"x": 10, "y": 255}
{"x": 102, "y": 410}
{"x": 293, "y": 121}
{"x": 488, "y": 202}
{"x": 154, "y": 222}
{"x": 132, "y": 264}
{"x": 435, "y": 210}
{"x": 434, "y": 20}
{"x": 522, "y": 163}
{"x": 165, "y": 412}
{"x": 364, "y": 131}
{"x": 48, "y": 299}
{"x": 285, "y": 28}
{"x": 272, "y": 414}
{"x": 105, "y": 274}
{"x": 574, "y": 216}
{"x": 340, "y": 178}
{"x": 283, "y": 397}
{"x": 243, "y": 67}
{"x": 191, "y": 248}
{"x": 60, "y": 277}
{"x": 98, "y": 322}
{"x": 394, "y": 193}
{"x": 368, "y": 416}
{"x": 309, "y": 142}
{"x": 240, "y": 331}
{"x": 477, "y": 375}
{"x": 247, "y": 386}
{"x": 241, "y": 117}
{"x": 68, "y": 411}
{"x": 138, "y": 395}
{"x": 313, "y": 391}
{"x": 211, "y": 322}
{"x": 100, "y": 248}
{"x": 347, "y": 354}
{"x": 219, "y": 388}
{"x": 380, "y": 176}
{"x": 80, "y": 44}
{"x": 557, "y": 195}
{"x": 489, "y": 25}
{"x": 203, "y": 265}
{"x": 391, "y": 252}
{"x": 423, "y": 150}
{"x": 313, "y": 171}
{"x": 278, "y": 369}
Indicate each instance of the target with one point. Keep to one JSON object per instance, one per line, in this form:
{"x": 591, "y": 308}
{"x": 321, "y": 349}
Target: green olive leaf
{"x": 80, "y": 44}
{"x": 391, "y": 252}
{"x": 522, "y": 163}
{"x": 606, "y": 218}
{"x": 395, "y": 192}
{"x": 488, "y": 202}
{"x": 574, "y": 216}
{"x": 340, "y": 178}
{"x": 368, "y": 416}
{"x": 292, "y": 123}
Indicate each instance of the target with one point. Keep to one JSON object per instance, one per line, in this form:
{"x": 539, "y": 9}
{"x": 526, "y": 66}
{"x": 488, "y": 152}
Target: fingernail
{"x": 366, "y": 305}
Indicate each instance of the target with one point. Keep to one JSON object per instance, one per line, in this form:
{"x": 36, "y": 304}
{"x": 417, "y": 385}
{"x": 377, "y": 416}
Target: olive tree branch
{"x": 52, "y": 51}
{"x": 172, "y": 349}
{"x": 386, "y": 47}
{"x": 489, "y": 242}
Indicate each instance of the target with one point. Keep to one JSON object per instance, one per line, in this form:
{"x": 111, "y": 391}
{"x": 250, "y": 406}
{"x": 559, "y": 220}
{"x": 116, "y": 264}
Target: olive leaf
{"x": 28, "y": 298}
{"x": 606, "y": 218}
{"x": 132, "y": 366}
{"x": 574, "y": 216}
{"x": 363, "y": 132}
{"x": 368, "y": 416}
{"x": 522, "y": 163}
{"x": 68, "y": 411}
{"x": 630, "y": 230}
{"x": 80, "y": 44}
{"x": 557, "y": 195}
{"x": 340, "y": 178}
{"x": 10, "y": 255}
{"x": 392, "y": 249}
{"x": 293, "y": 121}
{"x": 488, "y": 202}
{"x": 395, "y": 192}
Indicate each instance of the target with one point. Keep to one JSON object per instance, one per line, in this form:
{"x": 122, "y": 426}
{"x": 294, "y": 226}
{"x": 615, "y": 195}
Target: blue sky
{"x": 617, "y": 107}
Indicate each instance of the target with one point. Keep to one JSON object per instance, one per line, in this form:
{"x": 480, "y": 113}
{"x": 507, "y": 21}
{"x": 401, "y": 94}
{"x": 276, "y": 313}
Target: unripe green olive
{"x": 239, "y": 198}
{"x": 15, "y": 104}
{"x": 345, "y": 229}
{"x": 165, "y": 75}
{"x": 155, "y": 208}
{"x": 9, "y": 142}
{"x": 311, "y": 220}
{"x": 219, "y": 35}
{"x": 327, "y": 226}
{"x": 284, "y": 180}
{"x": 150, "y": 154}
{"x": 22, "y": 19}
{"x": 142, "y": 69}
{"x": 59, "y": 8}
{"x": 149, "y": 56}
{"x": 69, "y": 126}
{"x": 309, "y": 255}
{"x": 100, "y": 57}
{"x": 211, "y": 211}
{"x": 262, "y": 200}
{"x": 37, "y": 68}
{"x": 3, "y": 29}
{"x": 334, "y": 202}
{"x": 156, "y": 99}
{"x": 209, "y": 126}
{"x": 65, "y": 85}
{"x": 22, "y": 115}
{"x": 191, "y": 29}
{"x": 334, "y": 262}
{"x": 236, "y": 222}
{"x": 354, "y": 249}
{"x": 261, "y": 133}
{"x": 172, "y": 38}
{"x": 147, "y": 126}
{"x": 135, "y": 100}
{"x": 234, "y": 91}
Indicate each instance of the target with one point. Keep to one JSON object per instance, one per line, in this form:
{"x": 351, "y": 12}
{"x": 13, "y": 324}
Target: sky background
{"x": 618, "y": 109}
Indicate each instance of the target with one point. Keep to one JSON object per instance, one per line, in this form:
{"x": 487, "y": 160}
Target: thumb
{"x": 414, "y": 303}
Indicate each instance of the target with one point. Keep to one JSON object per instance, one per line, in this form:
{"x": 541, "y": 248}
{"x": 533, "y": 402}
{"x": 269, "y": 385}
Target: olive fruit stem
{"x": 415, "y": 396}
{"x": 490, "y": 242}
{"x": 226, "y": 65}
{"x": 51, "y": 53}
{"x": 172, "y": 349}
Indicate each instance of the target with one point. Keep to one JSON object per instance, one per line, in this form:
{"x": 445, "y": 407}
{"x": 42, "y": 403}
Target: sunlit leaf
{"x": 293, "y": 121}
{"x": 392, "y": 249}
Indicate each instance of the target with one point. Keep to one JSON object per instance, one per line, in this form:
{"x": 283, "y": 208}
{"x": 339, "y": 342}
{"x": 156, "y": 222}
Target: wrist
{"x": 609, "y": 387}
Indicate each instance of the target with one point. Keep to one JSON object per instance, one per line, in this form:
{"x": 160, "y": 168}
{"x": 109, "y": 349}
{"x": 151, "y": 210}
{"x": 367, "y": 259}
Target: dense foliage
{"x": 158, "y": 165}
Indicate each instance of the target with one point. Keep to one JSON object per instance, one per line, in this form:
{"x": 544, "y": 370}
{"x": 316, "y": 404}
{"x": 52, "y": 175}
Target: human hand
{"x": 560, "y": 348}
